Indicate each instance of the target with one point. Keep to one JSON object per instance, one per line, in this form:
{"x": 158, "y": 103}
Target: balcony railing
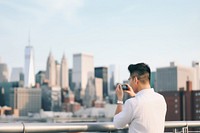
{"x": 177, "y": 126}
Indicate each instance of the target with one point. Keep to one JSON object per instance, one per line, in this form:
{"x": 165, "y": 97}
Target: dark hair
{"x": 141, "y": 70}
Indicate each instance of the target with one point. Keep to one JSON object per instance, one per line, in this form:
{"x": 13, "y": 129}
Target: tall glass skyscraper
{"x": 29, "y": 67}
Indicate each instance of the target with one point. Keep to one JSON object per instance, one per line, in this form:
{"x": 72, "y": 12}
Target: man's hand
{"x": 120, "y": 95}
{"x": 130, "y": 91}
{"x": 119, "y": 92}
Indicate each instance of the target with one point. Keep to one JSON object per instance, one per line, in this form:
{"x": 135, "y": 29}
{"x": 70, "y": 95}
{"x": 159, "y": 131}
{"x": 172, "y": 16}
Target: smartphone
{"x": 124, "y": 87}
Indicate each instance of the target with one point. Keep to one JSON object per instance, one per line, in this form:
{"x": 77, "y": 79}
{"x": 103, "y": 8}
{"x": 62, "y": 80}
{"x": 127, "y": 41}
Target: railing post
{"x": 185, "y": 129}
{"x": 174, "y": 130}
{"x": 23, "y": 127}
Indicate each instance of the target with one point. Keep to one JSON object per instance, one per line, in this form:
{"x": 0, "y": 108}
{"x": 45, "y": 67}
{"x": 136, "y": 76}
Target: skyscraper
{"x": 83, "y": 76}
{"x": 29, "y": 67}
{"x": 51, "y": 70}
{"x": 71, "y": 84}
{"x": 196, "y": 83}
{"x": 58, "y": 76}
{"x": 25, "y": 100}
{"x": 173, "y": 78}
{"x": 99, "y": 88}
{"x": 51, "y": 98}
{"x": 16, "y": 72}
{"x": 64, "y": 78}
{"x": 40, "y": 77}
{"x": 102, "y": 72}
{"x": 113, "y": 77}
{"x": 3, "y": 72}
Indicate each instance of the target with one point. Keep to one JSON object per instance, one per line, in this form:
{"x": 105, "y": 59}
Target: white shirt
{"x": 145, "y": 113}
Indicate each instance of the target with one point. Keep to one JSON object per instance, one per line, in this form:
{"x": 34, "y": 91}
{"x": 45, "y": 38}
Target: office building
{"x": 99, "y": 88}
{"x": 69, "y": 104}
{"x": 16, "y": 73}
{"x": 183, "y": 105}
{"x": 51, "y": 70}
{"x": 102, "y": 72}
{"x": 173, "y": 78}
{"x": 90, "y": 93}
{"x": 5, "y": 91}
{"x": 196, "y": 69}
{"x": 29, "y": 67}
{"x": 4, "y": 72}
{"x": 58, "y": 74}
{"x": 83, "y": 76}
{"x": 174, "y": 105}
{"x": 64, "y": 79}
{"x": 2, "y": 96}
{"x": 51, "y": 98}
{"x": 113, "y": 78}
{"x": 195, "y": 105}
{"x": 71, "y": 84}
{"x": 40, "y": 77}
{"x": 71, "y": 107}
{"x": 25, "y": 101}
{"x": 153, "y": 80}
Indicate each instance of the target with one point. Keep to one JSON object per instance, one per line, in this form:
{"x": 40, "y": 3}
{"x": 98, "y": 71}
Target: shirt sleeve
{"x": 125, "y": 116}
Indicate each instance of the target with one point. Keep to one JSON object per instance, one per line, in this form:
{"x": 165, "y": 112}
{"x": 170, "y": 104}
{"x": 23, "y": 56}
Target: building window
{"x": 197, "y": 94}
{"x": 176, "y": 111}
{"x": 176, "y": 100}
{"x": 197, "y": 111}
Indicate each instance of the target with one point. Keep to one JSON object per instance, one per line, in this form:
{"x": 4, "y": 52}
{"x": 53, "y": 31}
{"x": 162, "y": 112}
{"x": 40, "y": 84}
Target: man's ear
{"x": 136, "y": 80}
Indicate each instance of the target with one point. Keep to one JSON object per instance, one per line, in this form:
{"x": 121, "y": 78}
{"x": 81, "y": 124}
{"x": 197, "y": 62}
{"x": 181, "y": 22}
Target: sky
{"x": 113, "y": 31}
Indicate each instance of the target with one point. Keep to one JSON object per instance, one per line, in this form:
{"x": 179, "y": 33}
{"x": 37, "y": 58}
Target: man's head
{"x": 139, "y": 75}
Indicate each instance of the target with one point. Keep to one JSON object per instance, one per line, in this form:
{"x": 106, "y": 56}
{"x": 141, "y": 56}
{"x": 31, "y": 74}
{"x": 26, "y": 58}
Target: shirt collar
{"x": 145, "y": 91}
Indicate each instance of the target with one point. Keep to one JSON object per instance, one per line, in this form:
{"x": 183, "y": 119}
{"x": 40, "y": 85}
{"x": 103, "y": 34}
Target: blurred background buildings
{"x": 86, "y": 89}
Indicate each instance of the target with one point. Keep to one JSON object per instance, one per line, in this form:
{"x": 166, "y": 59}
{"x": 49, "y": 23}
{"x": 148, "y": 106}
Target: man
{"x": 145, "y": 111}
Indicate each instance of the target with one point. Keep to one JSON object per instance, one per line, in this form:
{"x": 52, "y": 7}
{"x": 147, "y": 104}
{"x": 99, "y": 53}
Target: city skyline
{"x": 114, "y": 32}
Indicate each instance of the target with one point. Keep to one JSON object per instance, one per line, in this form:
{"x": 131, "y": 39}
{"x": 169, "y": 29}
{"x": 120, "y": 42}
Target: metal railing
{"x": 183, "y": 126}
{"x": 85, "y": 127}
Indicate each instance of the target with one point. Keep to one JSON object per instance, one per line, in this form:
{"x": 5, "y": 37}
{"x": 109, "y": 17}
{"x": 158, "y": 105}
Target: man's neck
{"x": 144, "y": 86}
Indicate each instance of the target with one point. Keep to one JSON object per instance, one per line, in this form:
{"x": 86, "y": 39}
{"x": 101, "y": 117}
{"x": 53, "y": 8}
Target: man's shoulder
{"x": 132, "y": 101}
{"x": 158, "y": 94}
{"x": 160, "y": 97}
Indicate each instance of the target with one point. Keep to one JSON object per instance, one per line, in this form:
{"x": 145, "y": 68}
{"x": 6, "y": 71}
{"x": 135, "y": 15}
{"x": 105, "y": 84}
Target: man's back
{"x": 145, "y": 113}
